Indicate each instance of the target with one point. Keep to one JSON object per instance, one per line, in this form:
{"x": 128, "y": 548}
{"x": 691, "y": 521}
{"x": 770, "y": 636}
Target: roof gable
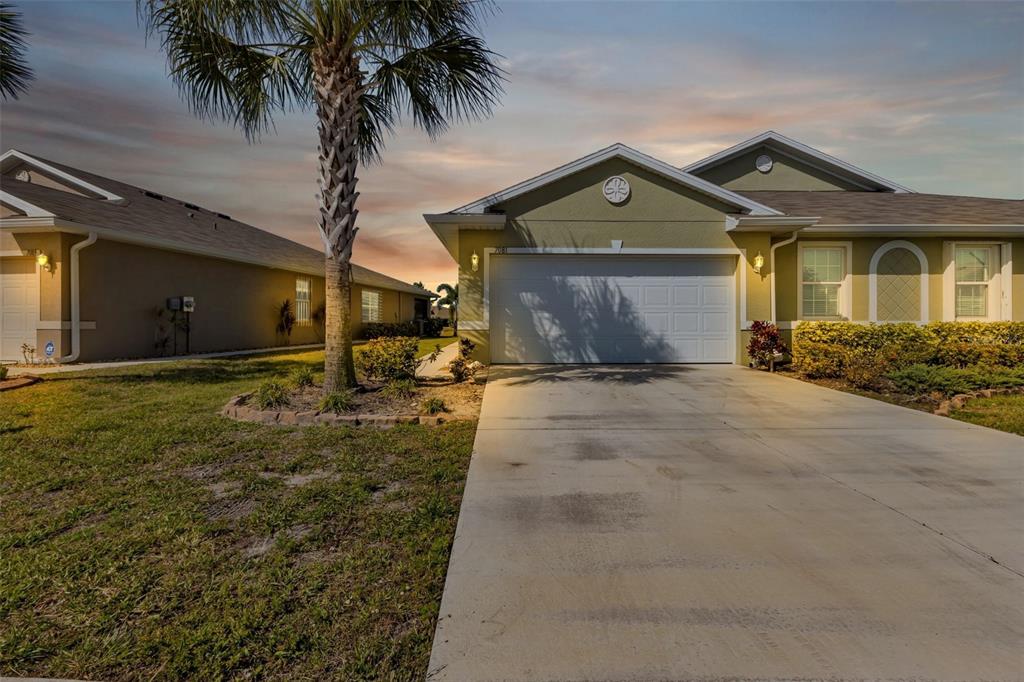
{"x": 621, "y": 151}
{"x": 803, "y": 154}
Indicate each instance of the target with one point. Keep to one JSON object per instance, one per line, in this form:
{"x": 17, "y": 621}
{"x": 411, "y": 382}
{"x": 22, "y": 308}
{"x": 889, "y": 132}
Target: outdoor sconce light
{"x": 758, "y": 262}
{"x": 475, "y": 261}
{"x": 43, "y": 261}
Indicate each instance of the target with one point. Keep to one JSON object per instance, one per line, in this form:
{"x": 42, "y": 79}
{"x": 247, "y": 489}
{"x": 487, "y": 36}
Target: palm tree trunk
{"x": 337, "y": 82}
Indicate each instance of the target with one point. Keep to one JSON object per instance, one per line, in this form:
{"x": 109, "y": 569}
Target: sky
{"x": 930, "y": 95}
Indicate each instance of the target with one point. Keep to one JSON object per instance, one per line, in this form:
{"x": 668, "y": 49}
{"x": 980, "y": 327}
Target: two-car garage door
{"x": 547, "y": 308}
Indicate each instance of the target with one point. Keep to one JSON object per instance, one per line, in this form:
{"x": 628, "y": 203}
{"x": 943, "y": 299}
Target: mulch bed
{"x": 372, "y": 406}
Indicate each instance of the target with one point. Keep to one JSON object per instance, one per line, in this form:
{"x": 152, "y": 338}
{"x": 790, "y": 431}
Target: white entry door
{"x": 608, "y": 309}
{"x": 19, "y": 305}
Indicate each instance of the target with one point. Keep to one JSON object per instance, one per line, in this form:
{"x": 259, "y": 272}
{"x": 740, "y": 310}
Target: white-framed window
{"x": 303, "y": 291}
{"x": 976, "y": 274}
{"x": 824, "y": 281}
{"x": 373, "y": 306}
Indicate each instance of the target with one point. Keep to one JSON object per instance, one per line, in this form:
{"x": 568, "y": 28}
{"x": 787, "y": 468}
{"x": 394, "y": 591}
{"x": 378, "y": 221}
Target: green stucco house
{"x": 620, "y": 257}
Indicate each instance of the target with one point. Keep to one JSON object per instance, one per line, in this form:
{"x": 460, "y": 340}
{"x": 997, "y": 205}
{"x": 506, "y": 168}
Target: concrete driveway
{"x": 716, "y": 523}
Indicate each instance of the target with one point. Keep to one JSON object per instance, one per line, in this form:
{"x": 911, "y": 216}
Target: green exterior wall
{"x": 572, "y": 213}
{"x": 787, "y": 173}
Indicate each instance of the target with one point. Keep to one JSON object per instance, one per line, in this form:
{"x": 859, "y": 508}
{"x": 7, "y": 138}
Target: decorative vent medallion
{"x": 23, "y": 176}
{"x": 616, "y": 189}
{"x": 763, "y": 163}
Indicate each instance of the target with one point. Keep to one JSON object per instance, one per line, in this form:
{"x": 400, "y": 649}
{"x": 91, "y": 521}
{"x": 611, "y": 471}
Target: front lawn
{"x": 1005, "y": 412}
{"x": 143, "y": 536}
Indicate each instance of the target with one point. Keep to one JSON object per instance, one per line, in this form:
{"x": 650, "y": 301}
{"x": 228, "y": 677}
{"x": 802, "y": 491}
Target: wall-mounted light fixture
{"x": 43, "y": 261}
{"x": 474, "y": 260}
{"x": 758, "y": 262}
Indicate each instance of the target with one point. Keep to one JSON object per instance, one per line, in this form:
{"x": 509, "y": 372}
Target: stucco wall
{"x": 237, "y": 305}
{"x": 787, "y": 173}
{"x": 660, "y": 214}
{"x": 787, "y": 287}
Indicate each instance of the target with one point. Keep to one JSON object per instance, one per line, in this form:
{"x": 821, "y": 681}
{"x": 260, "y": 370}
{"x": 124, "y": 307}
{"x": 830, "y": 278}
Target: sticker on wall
{"x": 49, "y": 349}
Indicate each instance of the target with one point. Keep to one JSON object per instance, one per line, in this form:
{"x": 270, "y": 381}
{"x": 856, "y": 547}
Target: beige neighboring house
{"x": 90, "y": 269}
{"x": 621, "y": 257}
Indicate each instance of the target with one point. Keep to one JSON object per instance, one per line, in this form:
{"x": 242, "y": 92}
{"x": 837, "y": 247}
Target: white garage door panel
{"x": 552, "y": 308}
{"x": 19, "y": 306}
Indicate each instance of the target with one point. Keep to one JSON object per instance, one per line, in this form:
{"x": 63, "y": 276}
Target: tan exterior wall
{"x": 123, "y": 286}
{"x": 237, "y": 305}
{"x": 786, "y": 174}
{"x": 398, "y": 306}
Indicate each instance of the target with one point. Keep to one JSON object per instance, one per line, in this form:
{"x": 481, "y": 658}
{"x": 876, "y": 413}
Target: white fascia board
{"x": 640, "y": 159}
{"x": 30, "y": 210}
{"x": 12, "y": 155}
{"x": 936, "y": 229}
{"x": 771, "y": 136}
{"x": 743, "y": 223}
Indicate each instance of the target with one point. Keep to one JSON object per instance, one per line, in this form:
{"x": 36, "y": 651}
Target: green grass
{"x": 1005, "y": 412}
{"x": 143, "y": 536}
{"x": 426, "y": 345}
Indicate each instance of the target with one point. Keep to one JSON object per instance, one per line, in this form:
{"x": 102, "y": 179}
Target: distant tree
{"x": 451, "y": 300}
{"x": 362, "y": 64}
{"x": 15, "y": 73}
{"x": 419, "y": 284}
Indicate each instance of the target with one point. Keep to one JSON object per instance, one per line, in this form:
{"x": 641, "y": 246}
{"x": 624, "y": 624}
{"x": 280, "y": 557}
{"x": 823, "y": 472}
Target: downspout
{"x": 76, "y": 309}
{"x": 771, "y": 266}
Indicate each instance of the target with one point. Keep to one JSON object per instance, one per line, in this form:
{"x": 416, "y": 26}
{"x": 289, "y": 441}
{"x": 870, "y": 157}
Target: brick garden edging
{"x": 961, "y": 399}
{"x": 237, "y": 409}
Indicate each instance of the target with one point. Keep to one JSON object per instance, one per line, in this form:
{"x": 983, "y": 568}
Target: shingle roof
{"x": 146, "y": 214}
{"x": 887, "y": 208}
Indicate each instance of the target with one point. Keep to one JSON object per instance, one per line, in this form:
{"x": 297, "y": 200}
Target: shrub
{"x": 270, "y": 394}
{"x": 285, "y": 318}
{"x": 303, "y": 376}
{"x": 337, "y": 402}
{"x": 765, "y": 343}
{"x": 825, "y": 348}
{"x": 434, "y": 406}
{"x": 3, "y": 372}
{"x": 388, "y": 330}
{"x": 466, "y": 348}
{"x": 399, "y": 388}
{"x": 920, "y": 379}
{"x": 432, "y": 327}
{"x": 389, "y": 358}
{"x": 462, "y": 368}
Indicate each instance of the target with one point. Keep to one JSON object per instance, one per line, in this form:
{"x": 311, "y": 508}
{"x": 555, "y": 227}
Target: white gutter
{"x": 771, "y": 270}
{"x": 76, "y": 308}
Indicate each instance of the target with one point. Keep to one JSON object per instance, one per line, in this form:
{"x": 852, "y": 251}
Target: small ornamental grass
{"x": 434, "y": 406}
{"x": 303, "y": 377}
{"x": 338, "y": 402}
{"x": 399, "y": 389}
{"x": 270, "y": 394}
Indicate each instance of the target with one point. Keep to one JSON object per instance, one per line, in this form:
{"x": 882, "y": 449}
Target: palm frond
{"x": 15, "y": 73}
{"x": 236, "y": 60}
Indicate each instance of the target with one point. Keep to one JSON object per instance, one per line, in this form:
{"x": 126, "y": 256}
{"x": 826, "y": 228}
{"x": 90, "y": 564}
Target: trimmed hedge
{"x": 862, "y": 354}
{"x": 432, "y": 328}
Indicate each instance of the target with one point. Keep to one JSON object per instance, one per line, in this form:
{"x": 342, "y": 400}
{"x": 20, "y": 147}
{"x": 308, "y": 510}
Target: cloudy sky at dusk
{"x": 929, "y": 95}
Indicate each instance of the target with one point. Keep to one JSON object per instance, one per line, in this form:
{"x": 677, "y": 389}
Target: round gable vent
{"x": 616, "y": 189}
{"x": 763, "y": 163}
{"x": 23, "y": 176}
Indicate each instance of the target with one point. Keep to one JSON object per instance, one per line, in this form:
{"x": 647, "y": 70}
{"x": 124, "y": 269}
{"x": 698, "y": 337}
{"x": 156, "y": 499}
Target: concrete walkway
{"x": 439, "y": 367}
{"x": 717, "y": 523}
{"x": 41, "y": 370}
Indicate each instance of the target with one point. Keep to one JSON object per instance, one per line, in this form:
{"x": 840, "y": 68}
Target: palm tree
{"x": 450, "y": 299}
{"x": 15, "y": 74}
{"x": 362, "y": 64}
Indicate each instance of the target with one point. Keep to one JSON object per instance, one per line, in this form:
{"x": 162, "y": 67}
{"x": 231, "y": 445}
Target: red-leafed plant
{"x": 765, "y": 344}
